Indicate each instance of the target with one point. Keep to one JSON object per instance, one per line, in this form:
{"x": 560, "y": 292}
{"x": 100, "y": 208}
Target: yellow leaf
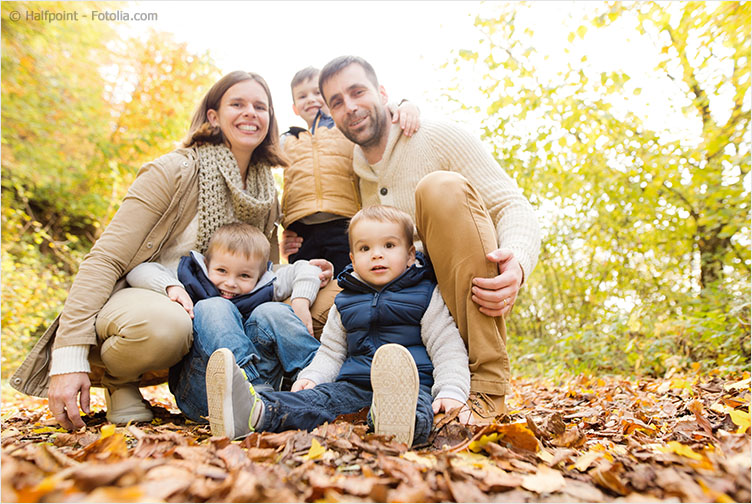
{"x": 717, "y": 496}
{"x": 680, "y": 449}
{"x": 315, "y": 451}
{"x": 108, "y": 430}
{"x": 44, "y": 430}
{"x": 740, "y": 418}
{"x": 478, "y": 445}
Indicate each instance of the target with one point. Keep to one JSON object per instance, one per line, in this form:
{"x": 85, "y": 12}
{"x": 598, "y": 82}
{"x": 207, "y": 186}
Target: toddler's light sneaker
{"x": 395, "y": 383}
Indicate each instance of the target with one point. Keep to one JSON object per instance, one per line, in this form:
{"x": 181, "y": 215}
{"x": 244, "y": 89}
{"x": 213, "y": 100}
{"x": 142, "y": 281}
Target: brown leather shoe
{"x": 485, "y": 408}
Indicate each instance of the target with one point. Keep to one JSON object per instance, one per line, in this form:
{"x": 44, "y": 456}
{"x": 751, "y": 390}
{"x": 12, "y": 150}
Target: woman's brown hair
{"x": 201, "y": 131}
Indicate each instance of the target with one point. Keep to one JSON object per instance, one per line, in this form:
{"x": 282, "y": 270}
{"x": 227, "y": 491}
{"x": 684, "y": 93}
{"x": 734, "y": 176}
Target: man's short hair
{"x": 303, "y": 75}
{"x": 338, "y": 64}
{"x": 240, "y": 238}
{"x": 384, "y": 213}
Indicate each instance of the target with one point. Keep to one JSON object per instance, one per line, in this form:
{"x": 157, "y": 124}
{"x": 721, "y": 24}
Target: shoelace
{"x": 482, "y": 404}
{"x": 256, "y": 400}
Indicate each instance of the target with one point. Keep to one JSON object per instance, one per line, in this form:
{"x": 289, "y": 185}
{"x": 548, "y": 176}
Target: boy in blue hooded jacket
{"x": 233, "y": 296}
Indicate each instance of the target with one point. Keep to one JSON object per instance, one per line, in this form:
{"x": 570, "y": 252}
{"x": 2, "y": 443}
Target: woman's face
{"x": 243, "y": 117}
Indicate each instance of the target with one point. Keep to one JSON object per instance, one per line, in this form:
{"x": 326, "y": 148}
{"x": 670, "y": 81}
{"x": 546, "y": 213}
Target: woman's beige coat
{"x": 161, "y": 202}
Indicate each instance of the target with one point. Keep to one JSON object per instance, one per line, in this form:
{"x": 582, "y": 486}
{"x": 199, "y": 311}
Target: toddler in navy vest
{"x": 233, "y": 296}
{"x": 389, "y": 342}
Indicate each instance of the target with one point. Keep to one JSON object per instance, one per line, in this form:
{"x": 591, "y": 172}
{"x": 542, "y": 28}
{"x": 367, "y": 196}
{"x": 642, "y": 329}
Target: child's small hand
{"x": 302, "y": 385}
{"x": 180, "y": 296}
{"x": 446, "y": 405}
{"x": 408, "y": 116}
{"x": 302, "y": 308}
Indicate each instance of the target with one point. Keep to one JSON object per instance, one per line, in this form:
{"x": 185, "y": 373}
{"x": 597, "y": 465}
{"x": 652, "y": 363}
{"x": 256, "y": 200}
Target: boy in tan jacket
{"x": 320, "y": 188}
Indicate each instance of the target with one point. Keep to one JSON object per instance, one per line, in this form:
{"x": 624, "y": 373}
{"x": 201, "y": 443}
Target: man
{"x": 480, "y": 232}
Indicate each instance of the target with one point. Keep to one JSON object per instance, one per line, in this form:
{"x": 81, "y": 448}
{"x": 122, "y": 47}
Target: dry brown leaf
{"x": 545, "y": 480}
{"x": 607, "y": 476}
{"x": 572, "y": 437}
{"x": 696, "y": 407}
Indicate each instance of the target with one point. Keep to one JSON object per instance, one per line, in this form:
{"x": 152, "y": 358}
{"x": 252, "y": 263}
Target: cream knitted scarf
{"x": 221, "y": 197}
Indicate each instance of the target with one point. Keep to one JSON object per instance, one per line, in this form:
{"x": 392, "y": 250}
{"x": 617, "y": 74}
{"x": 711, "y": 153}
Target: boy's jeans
{"x": 271, "y": 342}
{"x": 307, "y": 409}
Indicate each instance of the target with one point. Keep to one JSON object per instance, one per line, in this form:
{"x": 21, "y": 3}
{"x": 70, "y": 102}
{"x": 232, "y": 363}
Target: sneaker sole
{"x": 395, "y": 383}
{"x": 219, "y": 392}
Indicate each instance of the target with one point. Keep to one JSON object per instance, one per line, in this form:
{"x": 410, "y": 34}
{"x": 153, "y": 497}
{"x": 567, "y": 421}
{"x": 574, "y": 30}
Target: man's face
{"x": 357, "y": 107}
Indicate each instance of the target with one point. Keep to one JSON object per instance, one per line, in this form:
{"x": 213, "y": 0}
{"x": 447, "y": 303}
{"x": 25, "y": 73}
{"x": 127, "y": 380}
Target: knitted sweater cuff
{"x": 450, "y": 392}
{"x": 70, "y": 359}
{"x": 308, "y": 289}
{"x": 526, "y": 261}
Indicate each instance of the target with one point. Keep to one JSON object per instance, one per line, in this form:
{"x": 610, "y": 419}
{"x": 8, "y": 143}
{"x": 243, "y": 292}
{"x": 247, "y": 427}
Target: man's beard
{"x": 378, "y": 127}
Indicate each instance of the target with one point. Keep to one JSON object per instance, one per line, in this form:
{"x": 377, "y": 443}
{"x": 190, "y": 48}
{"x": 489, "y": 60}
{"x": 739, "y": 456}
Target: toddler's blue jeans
{"x": 307, "y": 409}
{"x": 271, "y": 343}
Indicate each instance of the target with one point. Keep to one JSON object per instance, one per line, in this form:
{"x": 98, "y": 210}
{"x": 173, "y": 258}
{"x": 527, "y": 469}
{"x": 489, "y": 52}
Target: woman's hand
{"x": 290, "y": 244}
{"x": 327, "y": 270}
{"x": 63, "y": 396}
{"x": 180, "y": 295}
{"x": 302, "y": 308}
{"x": 302, "y": 385}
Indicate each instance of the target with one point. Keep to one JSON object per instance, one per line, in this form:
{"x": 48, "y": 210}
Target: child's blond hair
{"x": 240, "y": 238}
{"x": 384, "y": 213}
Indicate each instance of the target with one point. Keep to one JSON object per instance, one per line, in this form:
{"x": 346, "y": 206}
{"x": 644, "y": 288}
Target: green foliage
{"x": 83, "y": 108}
{"x": 646, "y": 255}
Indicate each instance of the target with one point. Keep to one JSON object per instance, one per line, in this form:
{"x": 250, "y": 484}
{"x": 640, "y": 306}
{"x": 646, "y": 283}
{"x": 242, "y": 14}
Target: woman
{"x": 222, "y": 174}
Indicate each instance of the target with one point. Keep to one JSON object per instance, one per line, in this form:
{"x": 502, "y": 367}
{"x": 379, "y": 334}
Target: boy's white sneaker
{"x": 234, "y": 407}
{"x": 126, "y": 404}
{"x": 395, "y": 383}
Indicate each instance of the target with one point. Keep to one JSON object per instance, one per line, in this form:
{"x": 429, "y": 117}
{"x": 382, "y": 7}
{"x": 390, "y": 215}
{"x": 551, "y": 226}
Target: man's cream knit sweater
{"x": 440, "y": 145}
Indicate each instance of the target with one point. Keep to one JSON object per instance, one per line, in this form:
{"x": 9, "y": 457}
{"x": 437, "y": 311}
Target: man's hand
{"x": 496, "y": 296}
{"x": 290, "y": 243}
{"x": 327, "y": 270}
{"x": 301, "y": 307}
{"x": 302, "y": 385}
{"x": 180, "y": 295}
{"x": 63, "y": 395}
{"x": 446, "y": 405}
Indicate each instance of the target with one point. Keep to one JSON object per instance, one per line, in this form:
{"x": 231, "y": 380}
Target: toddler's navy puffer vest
{"x": 392, "y": 315}
{"x": 191, "y": 274}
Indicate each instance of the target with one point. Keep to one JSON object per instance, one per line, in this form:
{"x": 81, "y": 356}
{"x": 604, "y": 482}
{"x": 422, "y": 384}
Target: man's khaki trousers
{"x": 457, "y": 233}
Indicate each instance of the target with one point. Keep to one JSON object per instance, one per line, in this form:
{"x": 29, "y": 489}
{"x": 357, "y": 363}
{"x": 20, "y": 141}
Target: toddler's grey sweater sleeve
{"x": 152, "y": 276}
{"x": 300, "y": 279}
{"x": 327, "y": 362}
{"x": 451, "y": 372}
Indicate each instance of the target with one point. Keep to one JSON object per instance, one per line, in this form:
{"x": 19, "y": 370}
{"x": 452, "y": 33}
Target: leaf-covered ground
{"x": 680, "y": 439}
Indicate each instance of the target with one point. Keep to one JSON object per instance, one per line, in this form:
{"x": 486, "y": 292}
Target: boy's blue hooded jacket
{"x": 194, "y": 277}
